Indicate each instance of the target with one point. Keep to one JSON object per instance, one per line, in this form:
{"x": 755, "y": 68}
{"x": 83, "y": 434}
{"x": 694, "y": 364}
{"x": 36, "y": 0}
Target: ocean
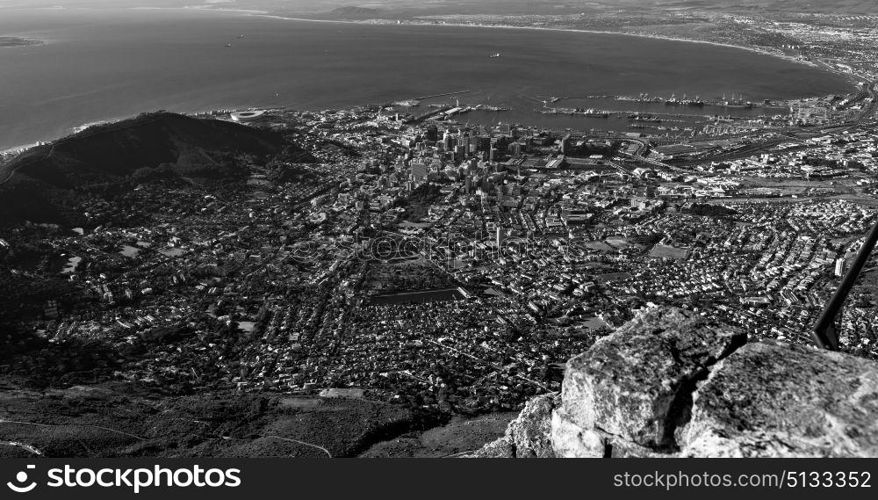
{"x": 99, "y": 65}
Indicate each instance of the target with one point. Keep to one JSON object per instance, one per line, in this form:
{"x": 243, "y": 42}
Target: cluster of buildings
{"x": 444, "y": 266}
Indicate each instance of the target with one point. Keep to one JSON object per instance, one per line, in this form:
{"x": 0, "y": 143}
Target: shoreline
{"x": 852, "y": 79}
{"x": 388, "y": 22}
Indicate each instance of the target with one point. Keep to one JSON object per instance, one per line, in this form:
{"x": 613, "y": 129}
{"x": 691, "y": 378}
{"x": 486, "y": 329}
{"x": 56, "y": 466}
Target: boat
{"x": 637, "y": 117}
{"x": 684, "y": 101}
{"x": 736, "y": 101}
{"x": 228, "y": 45}
{"x": 495, "y": 55}
{"x": 698, "y": 102}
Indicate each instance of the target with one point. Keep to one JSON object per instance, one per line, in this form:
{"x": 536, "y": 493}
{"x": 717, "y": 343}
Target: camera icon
{"x": 21, "y": 478}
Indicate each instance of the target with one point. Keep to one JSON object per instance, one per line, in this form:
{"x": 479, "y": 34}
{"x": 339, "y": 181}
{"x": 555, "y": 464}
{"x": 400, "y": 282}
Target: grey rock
{"x": 620, "y": 448}
{"x": 672, "y": 384}
{"x": 528, "y": 435}
{"x": 571, "y": 441}
{"x": 530, "y": 432}
{"x": 778, "y": 400}
{"x": 500, "y": 448}
{"x": 636, "y": 384}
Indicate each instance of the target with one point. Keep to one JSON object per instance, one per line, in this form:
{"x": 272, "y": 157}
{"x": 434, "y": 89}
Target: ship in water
{"x": 495, "y": 55}
{"x": 645, "y": 118}
{"x": 736, "y": 101}
{"x": 684, "y": 101}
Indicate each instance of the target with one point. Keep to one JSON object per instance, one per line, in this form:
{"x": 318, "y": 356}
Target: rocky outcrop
{"x": 672, "y": 383}
{"x": 528, "y": 436}
{"x": 775, "y": 400}
{"x": 637, "y": 383}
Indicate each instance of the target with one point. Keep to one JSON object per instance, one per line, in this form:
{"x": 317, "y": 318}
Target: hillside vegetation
{"x": 36, "y": 185}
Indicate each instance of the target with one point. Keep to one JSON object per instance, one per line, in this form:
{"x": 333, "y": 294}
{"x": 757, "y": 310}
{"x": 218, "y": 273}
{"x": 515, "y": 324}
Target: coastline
{"x": 382, "y": 22}
{"x": 386, "y": 22}
{"x": 17, "y": 150}
{"x": 853, "y": 78}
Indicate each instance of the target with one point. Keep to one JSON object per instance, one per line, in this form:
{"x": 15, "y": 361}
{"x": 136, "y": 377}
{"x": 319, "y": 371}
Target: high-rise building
{"x": 432, "y": 133}
{"x": 446, "y": 140}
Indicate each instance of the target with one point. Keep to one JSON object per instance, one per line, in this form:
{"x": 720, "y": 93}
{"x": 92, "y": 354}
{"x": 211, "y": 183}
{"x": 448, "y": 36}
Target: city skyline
{"x": 392, "y": 229}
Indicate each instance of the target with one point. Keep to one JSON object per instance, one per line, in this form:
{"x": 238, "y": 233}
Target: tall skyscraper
{"x": 446, "y": 140}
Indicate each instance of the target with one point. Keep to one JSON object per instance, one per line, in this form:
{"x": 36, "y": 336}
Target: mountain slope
{"x": 34, "y": 185}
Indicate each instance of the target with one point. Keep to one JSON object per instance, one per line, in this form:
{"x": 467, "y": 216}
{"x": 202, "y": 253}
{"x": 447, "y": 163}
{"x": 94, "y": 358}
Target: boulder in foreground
{"x": 777, "y": 400}
{"x": 672, "y": 383}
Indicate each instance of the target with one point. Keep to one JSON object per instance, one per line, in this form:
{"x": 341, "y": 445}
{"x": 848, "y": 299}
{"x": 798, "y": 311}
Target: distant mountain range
{"x": 37, "y": 185}
{"x": 817, "y": 6}
{"x": 392, "y": 8}
{"x": 353, "y": 9}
